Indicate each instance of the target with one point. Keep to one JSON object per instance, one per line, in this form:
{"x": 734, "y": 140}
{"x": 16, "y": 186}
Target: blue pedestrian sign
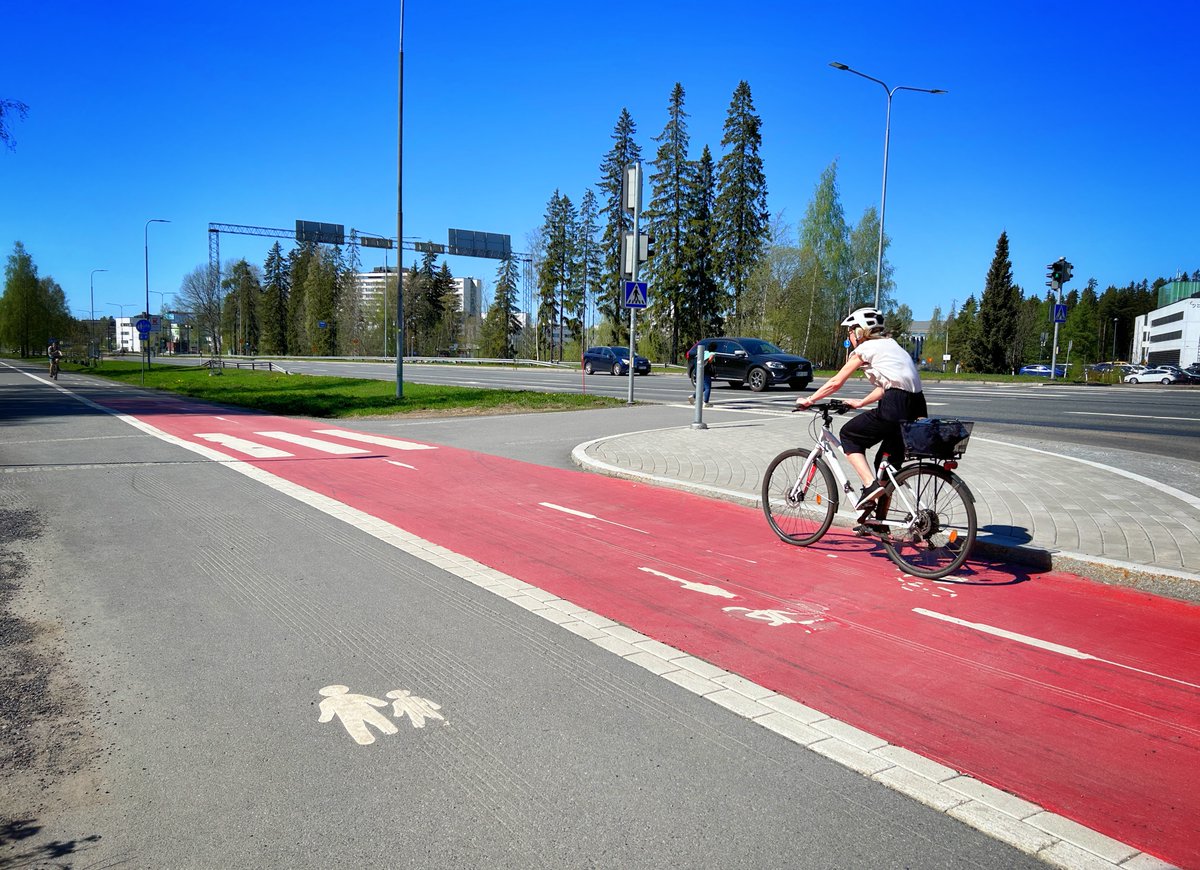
{"x": 635, "y": 294}
{"x": 1060, "y": 312}
{"x": 142, "y": 326}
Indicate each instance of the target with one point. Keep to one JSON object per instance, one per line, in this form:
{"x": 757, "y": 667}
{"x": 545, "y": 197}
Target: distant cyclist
{"x": 897, "y": 389}
{"x": 55, "y": 354}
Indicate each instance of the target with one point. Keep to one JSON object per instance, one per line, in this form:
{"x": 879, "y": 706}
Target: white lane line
{"x": 314, "y": 443}
{"x": 1049, "y": 646}
{"x": 401, "y": 464}
{"x": 1136, "y": 416}
{"x": 241, "y": 445}
{"x": 692, "y": 586}
{"x": 587, "y": 516}
{"x": 375, "y": 439}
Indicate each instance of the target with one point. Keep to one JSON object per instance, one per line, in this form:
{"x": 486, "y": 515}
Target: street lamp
{"x": 92, "y": 301}
{"x": 886, "y": 137}
{"x": 146, "y": 248}
{"x": 1114, "y": 339}
{"x": 122, "y": 307}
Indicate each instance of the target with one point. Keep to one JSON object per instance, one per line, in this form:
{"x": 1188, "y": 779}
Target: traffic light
{"x": 1055, "y": 275}
{"x": 1065, "y": 270}
{"x": 649, "y": 246}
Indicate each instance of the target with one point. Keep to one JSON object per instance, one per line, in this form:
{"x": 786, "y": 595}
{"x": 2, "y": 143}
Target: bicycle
{"x": 925, "y": 518}
{"x": 54, "y": 368}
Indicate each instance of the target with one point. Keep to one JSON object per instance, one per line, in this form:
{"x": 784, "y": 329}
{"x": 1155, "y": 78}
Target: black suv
{"x": 753, "y": 362}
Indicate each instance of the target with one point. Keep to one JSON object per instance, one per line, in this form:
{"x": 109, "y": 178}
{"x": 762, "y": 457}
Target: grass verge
{"x": 312, "y": 396}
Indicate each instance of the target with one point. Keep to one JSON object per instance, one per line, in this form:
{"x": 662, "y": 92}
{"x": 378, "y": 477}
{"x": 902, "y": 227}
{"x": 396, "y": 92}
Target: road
{"x": 1159, "y": 421}
{"x": 209, "y": 595}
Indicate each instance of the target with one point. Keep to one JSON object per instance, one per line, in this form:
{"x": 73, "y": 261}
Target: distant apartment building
{"x": 1170, "y": 334}
{"x": 470, "y": 290}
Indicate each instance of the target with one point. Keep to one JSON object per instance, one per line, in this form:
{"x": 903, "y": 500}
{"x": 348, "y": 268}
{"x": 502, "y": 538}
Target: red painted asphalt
{"x": 1079, "y": 697}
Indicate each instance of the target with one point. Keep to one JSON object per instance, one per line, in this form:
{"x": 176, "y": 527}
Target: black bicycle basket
{"x": 936, "y": 439}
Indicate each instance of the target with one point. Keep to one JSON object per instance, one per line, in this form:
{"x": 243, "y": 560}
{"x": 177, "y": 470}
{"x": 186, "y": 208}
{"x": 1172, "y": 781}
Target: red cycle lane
{"x": 1079, "y": 697}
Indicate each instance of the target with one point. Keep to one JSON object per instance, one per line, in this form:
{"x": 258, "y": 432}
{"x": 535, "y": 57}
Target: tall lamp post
{"x": 886, "y": 137}
{"x": 146, "y": 248}
{"x": 1114, "y": 339}
{"x": 92, "y": 301}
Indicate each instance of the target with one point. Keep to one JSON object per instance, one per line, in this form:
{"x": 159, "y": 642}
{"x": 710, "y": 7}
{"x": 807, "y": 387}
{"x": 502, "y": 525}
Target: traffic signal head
{"x": 1055, "y": 275}
{"x": 1066, "y": 270}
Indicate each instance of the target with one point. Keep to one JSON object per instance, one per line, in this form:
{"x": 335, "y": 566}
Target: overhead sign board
{"x": 369, "y": 242}
{"x": 321, "y": 234}
{"x": 469, "y": 243}
{"x": 429, "y": 248}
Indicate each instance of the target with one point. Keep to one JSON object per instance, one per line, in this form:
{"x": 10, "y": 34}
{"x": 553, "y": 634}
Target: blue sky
{"x": 1071, "y": 126}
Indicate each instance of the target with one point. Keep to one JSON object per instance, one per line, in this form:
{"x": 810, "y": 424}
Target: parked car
{"x": 613, "y": 359}
{"x": 1043, "y": 371}
{"x": 753, "y": 362}
{"x": 1150, "y": 376}
{"x": 1189, "y": 377}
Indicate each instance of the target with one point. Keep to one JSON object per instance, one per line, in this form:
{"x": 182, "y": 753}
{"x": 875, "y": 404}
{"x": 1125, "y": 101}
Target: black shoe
{"x": 869, "y": 494}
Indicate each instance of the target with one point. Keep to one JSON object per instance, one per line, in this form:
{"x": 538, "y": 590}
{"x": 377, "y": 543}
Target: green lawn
{"x": 311, "y": 396}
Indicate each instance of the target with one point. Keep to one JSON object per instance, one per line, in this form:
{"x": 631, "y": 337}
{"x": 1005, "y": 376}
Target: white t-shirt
{"x": 886, "y": 364}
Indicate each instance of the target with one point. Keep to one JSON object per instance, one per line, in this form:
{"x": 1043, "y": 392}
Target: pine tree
{"x": 587, "y": 269}
{"x": 667, "y": 220}
{"x": 740, "y": 212}
{"x": 999, "y": 315}
{"x": 501, "y": 325}
{"x": 702, "y": 304}
{"x": 300, "y": 262}
{"x": 618, "y": 222}
{"x": 352, "y": 325}
{"x": 554, "y": 271}
{"x": 450, "y": 315}
{"x": 22, "y": 320}
{"x": 273, "y": 311}
{"x": 965, "y": 343}
{"x": 239, "y": 315}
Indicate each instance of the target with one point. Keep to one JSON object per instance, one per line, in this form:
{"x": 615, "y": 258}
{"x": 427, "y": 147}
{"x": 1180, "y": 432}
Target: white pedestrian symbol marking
{"x": 416, "y": 709}
{"x": 358, "y": 713}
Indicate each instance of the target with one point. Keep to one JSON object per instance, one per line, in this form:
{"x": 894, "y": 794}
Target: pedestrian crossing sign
{"x": 635, "y": 294}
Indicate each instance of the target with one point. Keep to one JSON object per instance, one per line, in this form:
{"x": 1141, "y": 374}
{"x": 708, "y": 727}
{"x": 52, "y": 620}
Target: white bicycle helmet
{"x": 870, "y": 320}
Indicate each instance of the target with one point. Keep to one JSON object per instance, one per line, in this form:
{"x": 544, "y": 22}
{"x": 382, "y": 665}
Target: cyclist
{"x": 55, "y": 355}
{"x": 896, "y": 387}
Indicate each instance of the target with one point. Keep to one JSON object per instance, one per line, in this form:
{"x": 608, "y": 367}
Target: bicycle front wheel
{"x": 933, "y": 533}
{"x": 799, "y": 498}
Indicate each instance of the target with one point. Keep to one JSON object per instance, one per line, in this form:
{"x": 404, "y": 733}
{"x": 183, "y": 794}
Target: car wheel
{"x": 616, "y": 369}
{"x": 1166, "y": 381}
{"x": 589, "y": 368}
{"x": 758, "y": 380}
{"x": 1133, "y": 380}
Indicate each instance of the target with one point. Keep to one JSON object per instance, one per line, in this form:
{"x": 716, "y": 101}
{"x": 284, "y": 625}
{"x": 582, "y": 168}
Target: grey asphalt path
{"x": 189, "y": 617}
{"x": 1073, "y": 509}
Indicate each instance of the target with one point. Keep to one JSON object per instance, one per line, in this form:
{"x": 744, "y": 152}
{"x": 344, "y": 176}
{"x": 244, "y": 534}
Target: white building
{"x": 1170, "y": 334}
{"x": 470, "y": 290}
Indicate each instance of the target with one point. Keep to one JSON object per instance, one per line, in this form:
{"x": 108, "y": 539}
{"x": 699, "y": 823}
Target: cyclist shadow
{"x": 1000, "y": 557}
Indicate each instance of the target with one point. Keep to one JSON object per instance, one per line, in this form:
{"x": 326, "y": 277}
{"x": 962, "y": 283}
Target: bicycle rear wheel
{"x": 799, "y": 502}
{"x": 936, "y": 540}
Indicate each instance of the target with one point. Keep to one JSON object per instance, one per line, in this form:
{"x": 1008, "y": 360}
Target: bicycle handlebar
{"x": 836, "y": 406}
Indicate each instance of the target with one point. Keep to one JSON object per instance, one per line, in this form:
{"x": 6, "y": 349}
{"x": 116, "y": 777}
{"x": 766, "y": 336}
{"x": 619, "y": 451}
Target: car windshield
{"x": 622, "y": 352}
{"x": 757, "y": 346}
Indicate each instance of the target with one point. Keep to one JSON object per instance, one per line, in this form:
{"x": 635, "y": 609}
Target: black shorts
{"x": 881, "y": 425}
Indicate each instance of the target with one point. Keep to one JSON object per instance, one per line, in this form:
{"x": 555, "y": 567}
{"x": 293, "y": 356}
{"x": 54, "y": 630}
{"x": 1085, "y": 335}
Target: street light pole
{"x": 146, "y": 249}
{"x": 1114, "y": 339}
{"x": 399, "y": 215}
{"x": 92, "y": 300}
{"x": 887, "y": 131}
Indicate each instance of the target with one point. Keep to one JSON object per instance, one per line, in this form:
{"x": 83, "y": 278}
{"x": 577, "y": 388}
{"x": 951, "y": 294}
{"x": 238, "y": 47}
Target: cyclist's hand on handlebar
{"x": 803, "y": 404}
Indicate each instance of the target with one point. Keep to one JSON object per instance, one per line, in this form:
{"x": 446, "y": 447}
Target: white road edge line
{"x": 1048, "y": 646}
{"x": 1021, "y": 824}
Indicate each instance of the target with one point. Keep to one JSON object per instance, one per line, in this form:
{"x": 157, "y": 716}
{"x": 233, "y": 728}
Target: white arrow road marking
{"x": 375, "y": 439}
{"x": 1049, "y": 646}
{"x": 241, "y": 445}
{"x": 314, "y": 443}
{"x": 692, "y": 586}
{"x": 587, "y": 516}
